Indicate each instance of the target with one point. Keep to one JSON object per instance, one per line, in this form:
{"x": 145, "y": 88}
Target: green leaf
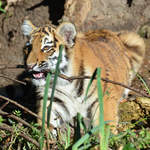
{"x": 89, "y": 84}
{"x": 84, "y": 138}
{"x": 101, "y": 110}
{"x": 1, "y": 9}
{"x": 68, "y": 140}
{"x": 129, "y": 146}
{"x": 44, "y": 109}
{"x": 1, "y": 119}
{"x": 144, "y": 83}
{"x": 54, "y": 84}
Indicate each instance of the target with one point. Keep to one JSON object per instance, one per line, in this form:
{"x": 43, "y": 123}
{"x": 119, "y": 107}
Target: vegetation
{"x": 1, "y": 7}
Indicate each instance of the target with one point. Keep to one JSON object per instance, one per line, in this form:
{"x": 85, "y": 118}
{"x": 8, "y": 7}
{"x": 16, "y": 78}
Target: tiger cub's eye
{"x": 46, "y": 48}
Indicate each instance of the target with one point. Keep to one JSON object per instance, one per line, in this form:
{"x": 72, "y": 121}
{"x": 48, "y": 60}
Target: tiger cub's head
{"x": 44, "y": 42}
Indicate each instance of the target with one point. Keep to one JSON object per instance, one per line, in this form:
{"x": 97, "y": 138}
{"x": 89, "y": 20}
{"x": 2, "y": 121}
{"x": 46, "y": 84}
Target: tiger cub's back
{"x": 119, "y": 55}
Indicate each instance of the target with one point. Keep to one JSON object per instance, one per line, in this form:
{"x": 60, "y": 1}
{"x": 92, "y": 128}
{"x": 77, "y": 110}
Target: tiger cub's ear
{"x": 27, "y": 27}
{"x": 68, "y": 32}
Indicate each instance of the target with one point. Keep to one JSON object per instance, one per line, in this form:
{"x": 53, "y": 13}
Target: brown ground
{"x": 44, "y": 11}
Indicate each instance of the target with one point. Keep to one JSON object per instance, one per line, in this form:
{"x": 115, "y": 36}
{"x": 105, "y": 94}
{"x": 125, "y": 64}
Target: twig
{"x": 4, "y": 105}
{"x": 23, "y": 108}
{"x": 5, "y": 66}
{"x": 15, "y": 80}
{"x": 4, "y": 126}
{"x": 20, "y": 106}
{"x": 70, "y": 79}
{"x": 16, "y": 118}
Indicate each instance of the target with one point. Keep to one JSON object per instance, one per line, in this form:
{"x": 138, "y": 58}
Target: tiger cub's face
{"x": 44, "y": 43}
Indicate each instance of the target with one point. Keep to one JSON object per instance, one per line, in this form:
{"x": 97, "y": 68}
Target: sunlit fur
{"x": 119, "y": 55}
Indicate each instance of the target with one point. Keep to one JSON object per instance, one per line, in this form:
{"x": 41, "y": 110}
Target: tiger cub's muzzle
{"x": 38, "y": 71}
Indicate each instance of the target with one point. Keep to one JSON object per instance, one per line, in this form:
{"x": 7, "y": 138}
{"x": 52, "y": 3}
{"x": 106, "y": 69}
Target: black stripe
{"x": 134, "y": 58}
{"x": 93, "y": 90}
{"x": 64, "y": 69}
{"x": 62, "y": 104}
{"x": 39, "y": 97}
{"x": 49, "y": 29}
{"x": 90, "y": 115}
{"x": 56, "y": 100}
{"x": 55, "y": 41}
{"x": 44, "y": 31}
{"x": 80, "y": 82}
{"x": 59, "y": 117}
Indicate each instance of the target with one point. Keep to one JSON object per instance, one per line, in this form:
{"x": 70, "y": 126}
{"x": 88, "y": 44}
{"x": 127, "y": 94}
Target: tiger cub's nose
{"x": 30, "y": 66}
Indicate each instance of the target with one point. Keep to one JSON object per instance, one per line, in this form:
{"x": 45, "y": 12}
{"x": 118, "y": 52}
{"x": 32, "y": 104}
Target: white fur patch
{"x": 72, "y": 105}
{"x": 26, "y": 28}
{"x": 39, "y": 82}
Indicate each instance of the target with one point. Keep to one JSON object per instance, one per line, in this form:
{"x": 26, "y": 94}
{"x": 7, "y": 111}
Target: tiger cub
{"x": 119, "y": 55}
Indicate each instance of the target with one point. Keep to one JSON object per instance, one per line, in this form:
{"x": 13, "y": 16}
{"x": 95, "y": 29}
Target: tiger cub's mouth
{"x": 39, "y": 75}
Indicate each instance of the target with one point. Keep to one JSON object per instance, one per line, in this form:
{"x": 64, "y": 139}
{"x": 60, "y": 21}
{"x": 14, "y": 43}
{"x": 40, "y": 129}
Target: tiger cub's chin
{"x": 39, "y": 82}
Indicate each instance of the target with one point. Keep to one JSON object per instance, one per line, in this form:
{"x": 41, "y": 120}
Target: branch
{"x": 5, "y": 66}
{"x": 70, "y": 79}
{"x": 20, "y": 106}
{"x": 4, "y": 105}
{"x": 4, "y": 126}
{"x": 15, "y": 80}
{"x": 16, "y": 118}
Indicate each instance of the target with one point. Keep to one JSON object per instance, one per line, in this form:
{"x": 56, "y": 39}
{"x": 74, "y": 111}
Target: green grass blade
{"x": 1, "y": 9}
{"x": 104, "y": 132}
{"x": 77, "y": 134}
{"x": 85, "y": 147}
{"x": 107, "y": 135}
{"x": 81, "y": 122}
{"x": 144, "y": 83}
{"x": 68, "y": 140}
{"x": 101, "y": 110}
{"x": 69, "y": 136}
{"x": 44, "y": 109}
{"x": 129, "y": 146}
{"x": 89, "y": 84}
{"x": 54, "y": 84}
{"x": 84, "y": 138}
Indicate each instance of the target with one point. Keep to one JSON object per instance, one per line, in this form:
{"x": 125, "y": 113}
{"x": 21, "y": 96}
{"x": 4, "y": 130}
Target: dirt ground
{"x": 42, "y": 12}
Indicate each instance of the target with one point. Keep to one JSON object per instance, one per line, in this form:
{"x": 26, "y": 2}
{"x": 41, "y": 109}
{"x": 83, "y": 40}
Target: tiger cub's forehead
{"x": 44, "y": 31}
